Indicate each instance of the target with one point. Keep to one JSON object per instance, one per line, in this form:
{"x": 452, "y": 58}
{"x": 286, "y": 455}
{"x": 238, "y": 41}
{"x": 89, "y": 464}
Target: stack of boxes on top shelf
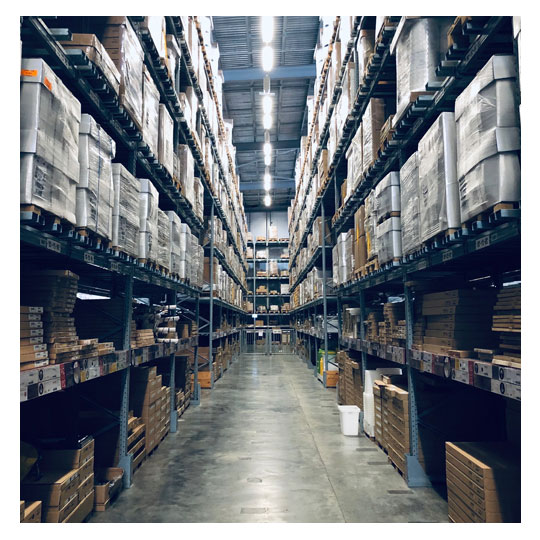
{"x": 65, "y": 486}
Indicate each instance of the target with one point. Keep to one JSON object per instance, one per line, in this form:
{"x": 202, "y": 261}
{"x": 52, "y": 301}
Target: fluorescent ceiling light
{"x": 267, "y": 58}
{"x": 267, "y": 28}
{"x": 267, "y": 182}
{"x": 267, "y": 200}
{"x": 267, "y": 104}
{"x": 267, "y": 121}
{"x": 267, "y": 149}
{"x": 267, "y": 160}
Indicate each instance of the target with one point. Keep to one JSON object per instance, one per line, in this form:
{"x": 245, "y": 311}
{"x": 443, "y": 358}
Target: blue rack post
{"x": 196, "y": 392}
{"x": 171, "y": 300}
{"x": 211, "y": 302}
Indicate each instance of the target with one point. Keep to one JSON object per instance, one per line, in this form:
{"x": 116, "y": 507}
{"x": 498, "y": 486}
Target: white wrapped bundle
{"x": 437, "y": 178}
{"x": 49, "y": 139}
{"x": 410, "y": 205}
{"x": 488, "y": 138}
{"x": 165, "y": 139}
{"x": 387, "y": 198}
{"x": 126, "y": 220}
{"x": 148, "y": 220}
{"x": 389, "y": 240}
{"x": 164, "y": 240}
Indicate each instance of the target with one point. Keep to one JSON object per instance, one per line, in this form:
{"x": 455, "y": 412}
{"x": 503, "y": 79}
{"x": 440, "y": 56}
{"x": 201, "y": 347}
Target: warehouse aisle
{"x": 265, "y": 446}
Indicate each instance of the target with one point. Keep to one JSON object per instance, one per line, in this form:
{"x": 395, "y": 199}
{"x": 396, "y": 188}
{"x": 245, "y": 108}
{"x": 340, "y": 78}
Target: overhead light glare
{"x": 267, "y": 121}
{"x": 267, "y": 160}
{"x": 267, "y": 149}
{"x": 267, "y": 182}
{"x": 267, "y": 28}
{"x": 267, "y": 200}
{"x": 267, "y": 58}
{"x": 267, "y": 104}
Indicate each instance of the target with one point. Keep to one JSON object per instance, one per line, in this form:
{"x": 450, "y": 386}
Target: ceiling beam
{"x": 276, "y": 184}
{"x": 276, "y": 145}
{"x": 279, "y": 72}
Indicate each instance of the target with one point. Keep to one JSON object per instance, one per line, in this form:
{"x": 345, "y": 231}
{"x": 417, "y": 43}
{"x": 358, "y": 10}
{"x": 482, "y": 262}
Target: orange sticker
{"x": 29, "y": 72}
{"x": 47, "y": 83}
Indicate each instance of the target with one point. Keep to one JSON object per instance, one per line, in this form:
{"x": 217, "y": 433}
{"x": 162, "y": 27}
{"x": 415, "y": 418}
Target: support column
{"x": 416, "y": 476}
{"x": 325, "y": 307}
{"x": 211, "y": 302}
{"x": 196, "y": 397}
{"x": 171, "y": 300}
{"x": 124, "y": 459}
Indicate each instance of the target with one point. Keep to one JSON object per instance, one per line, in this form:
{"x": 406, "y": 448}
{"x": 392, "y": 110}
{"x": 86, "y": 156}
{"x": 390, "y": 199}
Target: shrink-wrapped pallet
{"x": 150, "y": 127}
{"x": 364, "y": 46}
{"x": 387, "y": 199}
{"x": 157, "y": 28}
{"x": 198, "y": 198}
{"x": 126, "y": 220}
{"x": 174, "y": 56}
{"x": 372, "y": 122}
{"x": 96, "y": 53}
{"x": 186, "y": 172}
{"x": 184, "y": 235}
{"x": 488, "y": 138}
{"x": 389, "y": 240}
{"x": 164, "y": 240}
{"x": 410, "y": 205}
{"x": 148, "y": 224}
{"x": 370, "y": 226}
{"x": 165, "y": 139}
{"x": 354, "y": 158}
{"x": 125, "y": 50}
{"x": 49, "y": 139}
{"x": 419, "y": 48}
{"x": 437, "y": 178}
{"x": 95, "y": 193}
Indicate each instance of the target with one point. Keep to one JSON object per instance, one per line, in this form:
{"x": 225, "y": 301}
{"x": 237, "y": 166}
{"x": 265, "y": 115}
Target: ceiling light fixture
{"x": 267, "y": 121}
{"x": 267, "y": 104}
{"x": 267, "y": 182}
{"x": 267, "y": 160}
{"x": 267, "y": 149}
{"x": 267, "y": 58}
{"x": 267, "y": 28}
{"x": 267, "y": 200}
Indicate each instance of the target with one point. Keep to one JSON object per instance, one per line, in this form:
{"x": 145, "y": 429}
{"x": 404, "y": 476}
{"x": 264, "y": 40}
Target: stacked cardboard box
{"x": 66, "y": 487}
{"x": 148, "y": 221}
{"x": 459, "y": 319}
{"x": 393, "y": 313}
{"x": 483, "y": 482}
{"x": 163, "y": 406}
{"x": 108, "y": 484}
{"x": 164, "y": 241}
{"x": 125, "y": 50}
{"x": 34, "y": 351}
{"x": 507, "y": 324}
{"x": 49, "y": 130}
{"x": 125, "y": 219}
{"x": 396, "y": 426}
{"x": 378, "y": 390}
{"x": 145, "y": 391}
{"x": 56, "y": 291}
{"x": 375, "y": 316}
{"x": 31, "y": 511}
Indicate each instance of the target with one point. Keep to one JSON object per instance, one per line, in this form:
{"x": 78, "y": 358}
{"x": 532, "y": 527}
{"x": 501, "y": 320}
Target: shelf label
{"x": 482, "y": 242}
{"x": 422, "y": 265}
{"x": 447, "y": 255}
{"x": 115, "y": 266}
{"x": 53, "y": 245}
{"x": 89, "y": 257}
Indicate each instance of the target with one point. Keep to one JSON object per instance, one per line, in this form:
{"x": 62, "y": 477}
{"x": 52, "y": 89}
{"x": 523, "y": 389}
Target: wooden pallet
{"x": 93, "y": 238}
{"x": 371, "y": 266}
{"x": 480, "y": 222}
{"x": 413, "y": 96}
{"x": 455, "y": 32}
{"x": 38, "y": 217}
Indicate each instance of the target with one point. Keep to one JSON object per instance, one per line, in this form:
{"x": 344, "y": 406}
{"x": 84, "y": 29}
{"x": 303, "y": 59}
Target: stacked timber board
{"x": 507, "y": 324}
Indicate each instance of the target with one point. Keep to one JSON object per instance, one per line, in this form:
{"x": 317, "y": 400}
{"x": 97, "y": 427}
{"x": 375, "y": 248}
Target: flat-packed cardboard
{"x": 82, "y": 510}
{"x": 86, "y": 487}
{"x": 31, "y": 512}
{"x": 53, "y": 514}
{"x": 53, "y": 488}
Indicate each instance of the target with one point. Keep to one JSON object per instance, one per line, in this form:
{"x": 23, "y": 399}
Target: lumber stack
{"x": 507, "y": 325}
{"x": 34, "y": 351}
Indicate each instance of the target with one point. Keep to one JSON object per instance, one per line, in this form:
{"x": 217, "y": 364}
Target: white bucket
{"x": 348, "y": 418}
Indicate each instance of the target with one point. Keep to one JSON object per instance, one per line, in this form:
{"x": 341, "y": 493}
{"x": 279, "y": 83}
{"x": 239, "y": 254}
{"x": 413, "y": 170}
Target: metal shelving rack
{"x": 492, "y": 250}
{"x": 104, "y": 272}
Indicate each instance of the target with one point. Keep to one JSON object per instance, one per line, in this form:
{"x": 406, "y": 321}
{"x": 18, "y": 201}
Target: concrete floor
{"x": 265, "y": 446}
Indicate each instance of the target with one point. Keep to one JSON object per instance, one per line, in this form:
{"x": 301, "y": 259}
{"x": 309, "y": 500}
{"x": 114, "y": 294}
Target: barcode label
{"x": 53, "y": 245}
{"x": 89, "y": 258}
{"x": 447, "y": 255}
{"x": 422, "y": 265}
{"x": 115, "y": 267}
{"x": 482, "y": 242}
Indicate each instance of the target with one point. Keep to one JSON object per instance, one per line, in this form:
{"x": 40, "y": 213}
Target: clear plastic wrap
{"x": 157, "y": 28}
{"x": 354, "y": 158}
{"x": 174, "y": 54}
{"x": 370, "y": 226}
{"x": 49, "y": 138}
{"x": 97, "y": 54}
{"x": 164, "y": 240}
{"x": 198, "y": 198}
{"x": 186, "y": 171}
{"x": 148, "y": 225}
{"x": 419, "y": 49}
{"x": 95, "y": 194}
{"x": 372, "y": 122}
{"x": 437, "y": 178}
{"x": 126, "y": 220}
{"x": 410, "y": 205}
{"x": 165, "y": 139}
{"x": 124, "y": 48}
{"x": 488, "y": 138}
{"x": 151, "y": 115}
{"x": 389, "y": 240}
{"x": 364, "y": 46}
{"x": 387, "y": 199}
